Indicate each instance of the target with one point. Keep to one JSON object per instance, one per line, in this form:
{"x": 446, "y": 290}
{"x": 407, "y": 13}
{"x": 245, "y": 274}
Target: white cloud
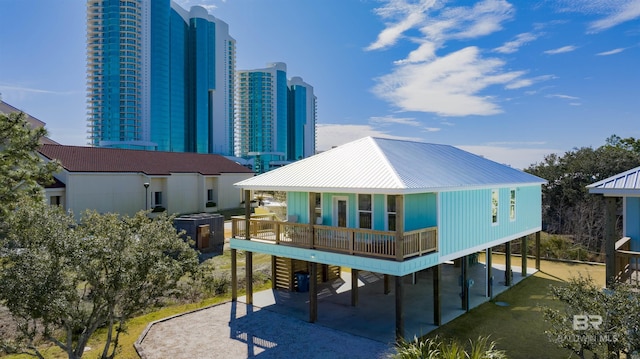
{"x": 514, "y": 45}
{"x": 385, "y": 121}
{"x": 330, "y": 135}
{"x": 406, "y": 16}
{"x": 448, "y": 86}
{"x": 615, "y": 12}
{"x": 611, "y": 52}
{"x": 516, "y": 156}
{"x": 525, "y": 82}
{"x": 564, "y": 97}
{"x": 561, "y": 50}
{"x": 451, "y": 84}
{"x": 624, "y": 11}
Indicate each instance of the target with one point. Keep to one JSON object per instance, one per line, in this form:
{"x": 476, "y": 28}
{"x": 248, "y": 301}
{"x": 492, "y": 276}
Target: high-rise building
{"x": 159, "y": 77}
{"x": 275, "y": 118}
{"x": 302, "y": 120}
{"x": 261, "y": 115}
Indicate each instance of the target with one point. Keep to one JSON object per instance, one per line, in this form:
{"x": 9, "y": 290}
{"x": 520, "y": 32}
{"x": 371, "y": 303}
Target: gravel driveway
{"x": 226, "y": 331}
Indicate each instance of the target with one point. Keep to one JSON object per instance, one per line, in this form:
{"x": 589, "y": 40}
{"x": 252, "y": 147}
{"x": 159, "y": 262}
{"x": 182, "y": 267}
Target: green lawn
{"x": 520, "y": 328}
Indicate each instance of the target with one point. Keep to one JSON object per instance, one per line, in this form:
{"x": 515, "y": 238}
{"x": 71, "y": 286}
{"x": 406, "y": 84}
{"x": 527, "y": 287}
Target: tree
{"x": 65, "y": 279}
{"x": 21, "y": 169}
{"x": 595, "y": 320}
{"x": 567, "y": 207}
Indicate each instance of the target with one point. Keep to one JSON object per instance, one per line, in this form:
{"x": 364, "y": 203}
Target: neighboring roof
{"x": 56, "y": 184}
{"x": 378, "y": 165}
{"x": 96, "y": 159}
{"x": 625, "y": 183}
{"x": 33, "y": 122}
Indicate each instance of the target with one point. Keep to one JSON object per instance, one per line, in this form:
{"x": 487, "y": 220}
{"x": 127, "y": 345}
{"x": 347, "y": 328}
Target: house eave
{"x": 615, "y": 192}
{"x": 400, "y": 191}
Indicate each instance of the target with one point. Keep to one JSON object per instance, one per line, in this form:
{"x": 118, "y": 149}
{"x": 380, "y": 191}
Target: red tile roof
{"x": 96, "y": 159}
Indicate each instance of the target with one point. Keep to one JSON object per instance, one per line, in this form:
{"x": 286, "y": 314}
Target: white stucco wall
{"x": 124, "y": 193}
{"x": 105, "y": 192}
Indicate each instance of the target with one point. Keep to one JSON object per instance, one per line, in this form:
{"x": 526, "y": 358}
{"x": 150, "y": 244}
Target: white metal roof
{"x": 377, "y": 165}
{"x": 622, "y": 184}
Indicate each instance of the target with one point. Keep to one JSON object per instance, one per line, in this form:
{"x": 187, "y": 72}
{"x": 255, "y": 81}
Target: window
{"x": 494, "y": 206}
{"x": 512, "y": 205}
{"x": 55, "y": 200}
{"x": 157, "y": 199}
{"x": 210, "y": 195}
{"x": 364, "y": 211}
{"x": 391, "y": 213}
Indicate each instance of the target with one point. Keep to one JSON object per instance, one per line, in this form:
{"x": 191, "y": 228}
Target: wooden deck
{"x": 355, "y": 241}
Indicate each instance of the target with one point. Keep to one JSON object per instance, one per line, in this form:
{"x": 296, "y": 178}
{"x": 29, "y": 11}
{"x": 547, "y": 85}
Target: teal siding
{"x": 298, "y": 204}
{"x": 420, "y": 210}
{"x": 379, "y": 212}
{"x": 465, "y": 217}
{"x": 632, "y": 221}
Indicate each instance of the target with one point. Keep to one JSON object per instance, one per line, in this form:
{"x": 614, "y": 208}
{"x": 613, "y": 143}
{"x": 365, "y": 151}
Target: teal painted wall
{"x": 379, "y": 212}
{"x": 465, "y": 217}
{"x": 421, "y": 211}
{"x": 632, "y": 221}
{"x": 298, "y": 204}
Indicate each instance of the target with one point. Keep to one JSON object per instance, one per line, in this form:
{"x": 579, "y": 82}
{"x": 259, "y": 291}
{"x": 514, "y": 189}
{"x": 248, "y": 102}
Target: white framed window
{"x": 512, "y": 205}
{"x": 495, "y": 201}
{"x": 391, "y": 213}
{"x": 210, "y": 196}
{"x": 365, "y": 210}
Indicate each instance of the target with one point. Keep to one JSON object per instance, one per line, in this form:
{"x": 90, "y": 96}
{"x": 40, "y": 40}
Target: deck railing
{"x": 356, "y": 241}
{"x": 627, "y": 261}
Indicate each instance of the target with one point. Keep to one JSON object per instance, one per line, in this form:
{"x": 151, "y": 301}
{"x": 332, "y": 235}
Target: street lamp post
{"x": 146, "y": 196}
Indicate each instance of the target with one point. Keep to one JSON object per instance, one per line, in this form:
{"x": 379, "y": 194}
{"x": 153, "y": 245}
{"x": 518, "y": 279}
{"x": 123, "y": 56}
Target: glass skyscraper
{"x": 275, "y": 118}
{"x": 159, "y": 77}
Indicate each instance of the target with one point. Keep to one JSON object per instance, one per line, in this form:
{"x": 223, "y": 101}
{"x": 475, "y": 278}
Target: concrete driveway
{"x": 228, "y": 331}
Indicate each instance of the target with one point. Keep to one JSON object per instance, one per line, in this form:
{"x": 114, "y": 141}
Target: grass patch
{"x": 519, "y": 329}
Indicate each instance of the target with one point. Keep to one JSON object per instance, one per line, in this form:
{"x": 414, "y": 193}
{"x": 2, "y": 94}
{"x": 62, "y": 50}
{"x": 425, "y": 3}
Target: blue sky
{"x": 512, "y": 81}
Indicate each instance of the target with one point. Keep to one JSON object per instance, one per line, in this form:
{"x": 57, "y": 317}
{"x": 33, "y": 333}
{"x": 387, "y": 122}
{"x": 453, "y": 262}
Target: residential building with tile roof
{"x": 113, "y": 180}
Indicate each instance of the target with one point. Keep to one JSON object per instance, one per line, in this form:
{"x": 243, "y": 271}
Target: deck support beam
{"x": 437, "y": 307}
{"x": 249, "y": 275}
{"x": 507, "y": 264}
{"x": 523, "y": 251}
{"x": 387, "y": 286}
{"x": 538, "y": 250}
{"x": 465, "y": 282}
{"x": 354, "y": 287}
{"x": 489, "y": 273}
{"x": 234, "y": 275}
{"x": 609, "y": 239}
{"x": 313, "y": 292}
{"x": 399, "y": 308}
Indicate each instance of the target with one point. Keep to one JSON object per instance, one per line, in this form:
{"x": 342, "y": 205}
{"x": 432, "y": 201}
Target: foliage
{"x": 434, "y": 348}
{"x": 567, "y": 207}
{"x": 618, "y": 309}
{"x": 65, "y": 280}
{"x": 21, "y": 169}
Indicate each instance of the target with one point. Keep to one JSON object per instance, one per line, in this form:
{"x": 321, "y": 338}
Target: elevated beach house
{"x": 390, "y": 207}
{"x": 622, "y": 254}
